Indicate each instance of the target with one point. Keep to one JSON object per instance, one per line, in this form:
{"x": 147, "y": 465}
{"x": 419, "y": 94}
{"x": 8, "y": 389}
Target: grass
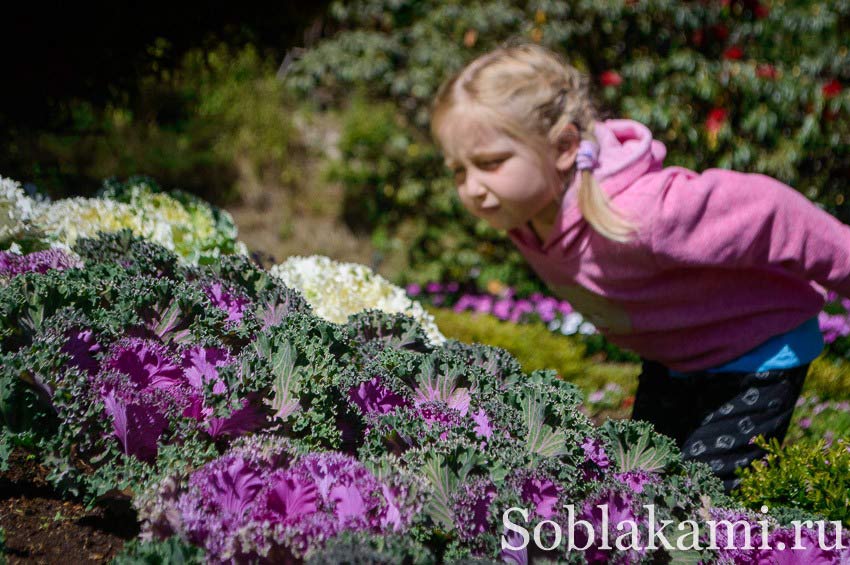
{"x": 537, "y": 347}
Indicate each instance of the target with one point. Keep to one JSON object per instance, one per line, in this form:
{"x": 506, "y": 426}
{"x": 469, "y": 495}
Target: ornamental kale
{"x": 781, "y": 541}
{"x": 243, "y": 424}
{"x": 12, "y": 264}
{"x": 275, "y": 504}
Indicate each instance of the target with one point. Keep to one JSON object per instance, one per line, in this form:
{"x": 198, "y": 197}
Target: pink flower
{"x": 414, "y": 289}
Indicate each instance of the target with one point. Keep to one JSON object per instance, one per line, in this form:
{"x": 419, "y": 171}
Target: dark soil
{"x": 41, "y": 527}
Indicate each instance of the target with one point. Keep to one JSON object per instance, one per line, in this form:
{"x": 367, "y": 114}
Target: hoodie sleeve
{"x": 739, "y": 220}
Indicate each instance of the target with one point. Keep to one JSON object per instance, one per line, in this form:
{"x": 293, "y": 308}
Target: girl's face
{"x": 499, "y": 179}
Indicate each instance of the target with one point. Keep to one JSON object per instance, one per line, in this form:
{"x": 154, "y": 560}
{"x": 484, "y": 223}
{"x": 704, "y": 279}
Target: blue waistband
{"x": 797, "y": 347}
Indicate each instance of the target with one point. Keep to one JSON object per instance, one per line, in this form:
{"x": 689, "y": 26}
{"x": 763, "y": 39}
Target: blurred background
{"x": 308, "y": 120}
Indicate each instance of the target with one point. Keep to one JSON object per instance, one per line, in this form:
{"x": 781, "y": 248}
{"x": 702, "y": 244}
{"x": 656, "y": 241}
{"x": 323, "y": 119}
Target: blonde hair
{"x": 531, "y": 94}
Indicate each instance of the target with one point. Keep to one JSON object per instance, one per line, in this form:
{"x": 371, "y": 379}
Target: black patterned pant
{"x": 713, "y": 416}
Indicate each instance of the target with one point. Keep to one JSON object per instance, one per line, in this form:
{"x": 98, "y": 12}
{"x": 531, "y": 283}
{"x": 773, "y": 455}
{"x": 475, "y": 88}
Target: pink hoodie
{"x": 722, "y": 260}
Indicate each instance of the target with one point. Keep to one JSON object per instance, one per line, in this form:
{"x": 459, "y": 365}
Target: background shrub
{"x": 217, "y": 114}
{"x": 735, "y": 84}
{"x": 809, "y": 476}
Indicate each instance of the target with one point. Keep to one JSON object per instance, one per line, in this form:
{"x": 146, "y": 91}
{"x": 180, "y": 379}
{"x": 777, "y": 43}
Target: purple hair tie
{"x": 588, "y": 152}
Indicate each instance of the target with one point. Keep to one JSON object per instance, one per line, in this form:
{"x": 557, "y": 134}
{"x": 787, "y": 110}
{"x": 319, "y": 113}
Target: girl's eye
{"x": 491, "y": 164}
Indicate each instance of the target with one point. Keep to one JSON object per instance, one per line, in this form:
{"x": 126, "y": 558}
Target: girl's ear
{"x": 566, "y": 147}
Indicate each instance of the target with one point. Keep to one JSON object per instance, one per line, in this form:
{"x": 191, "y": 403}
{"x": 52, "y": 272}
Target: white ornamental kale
{"x": 16, "y": 209}
{"x": 337, "y": 290}
{"x": 69, "y": 219}
{"x": 188, "y": 225}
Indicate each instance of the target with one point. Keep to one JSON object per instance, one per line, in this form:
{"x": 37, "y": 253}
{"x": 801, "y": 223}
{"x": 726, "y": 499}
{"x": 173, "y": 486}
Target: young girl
{"x": 713, "y": 278}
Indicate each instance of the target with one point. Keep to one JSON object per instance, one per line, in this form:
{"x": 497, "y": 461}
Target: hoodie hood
{"x": 626, "y": 152}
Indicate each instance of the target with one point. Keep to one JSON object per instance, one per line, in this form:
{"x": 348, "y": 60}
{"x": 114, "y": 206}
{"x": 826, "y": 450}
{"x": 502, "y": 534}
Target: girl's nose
{"x": 474, "y": 187}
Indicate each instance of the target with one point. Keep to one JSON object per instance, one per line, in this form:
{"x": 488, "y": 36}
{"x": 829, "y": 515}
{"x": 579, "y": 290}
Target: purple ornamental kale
{"x": 514, "y": 556}
{"x": 371, "y": 397}
{"x": 273, "y": 314}
{"x": 444, "y": 390}
{"x": 636, "y": 479}
{"x": 438, "y": 413}
{"x": 471, "y": 509}
{"x": 243, "y": 508}
{"x": 292, "y": 495}
{"x": 217, "y": 501}
{"x": 82, "y": 348}
{"x": 200, "y": 366}
{"x": 810, "y": 554}
{"x": 620, "y": 508}
{"x": 12, "y": 264}
{"x": 144, "y": 386}
{"x": 246, "y": 418}
{"x": 737, "y": 551}
{"x": 595, "y": 452}
{"x": 399, "y": 511}
{"x": 780, "y": 542}
{"x": 457, "y": 399}
{"x": 483, "y": 428}
{"x": 140, "y": 387}
{"x": 138, "y": 417}
{"x": 147, "y": 364}
{"x": 225, "y": 299}
{"x": 537, "y": 491}
{"x": 353, "y": 497}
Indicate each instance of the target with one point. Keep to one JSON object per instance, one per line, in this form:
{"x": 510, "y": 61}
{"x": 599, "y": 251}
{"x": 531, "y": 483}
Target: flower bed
{"x": 243, "y": 426}
{"x": 559, "y": 316}
{"x": 196, "y": 231}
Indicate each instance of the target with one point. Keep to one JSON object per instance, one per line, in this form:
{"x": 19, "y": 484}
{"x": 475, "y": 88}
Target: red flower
{"x": 761, "y": 11}
{"x": 766, "y": 71}
{"x": 733, "y": 53}
{"x": 610, "y": 78}
{"x": 715, "y": 120}
{"x": 831, "y": 89}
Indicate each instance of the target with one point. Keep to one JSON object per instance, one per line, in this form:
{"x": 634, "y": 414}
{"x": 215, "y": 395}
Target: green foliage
{"x": 368, "y": 549}
{"x": 808, "y": 476}
{"x": 165, "y": 552}
{"x": 293, "y": 367}
{"x": 636, "y": 445}
{"x": 535, "y": 347}
{"x": 740, "y": 85}
{"x": 828, "y": 378}
{"x": 395, "y": 330}
{"x": 220, "y": 112}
